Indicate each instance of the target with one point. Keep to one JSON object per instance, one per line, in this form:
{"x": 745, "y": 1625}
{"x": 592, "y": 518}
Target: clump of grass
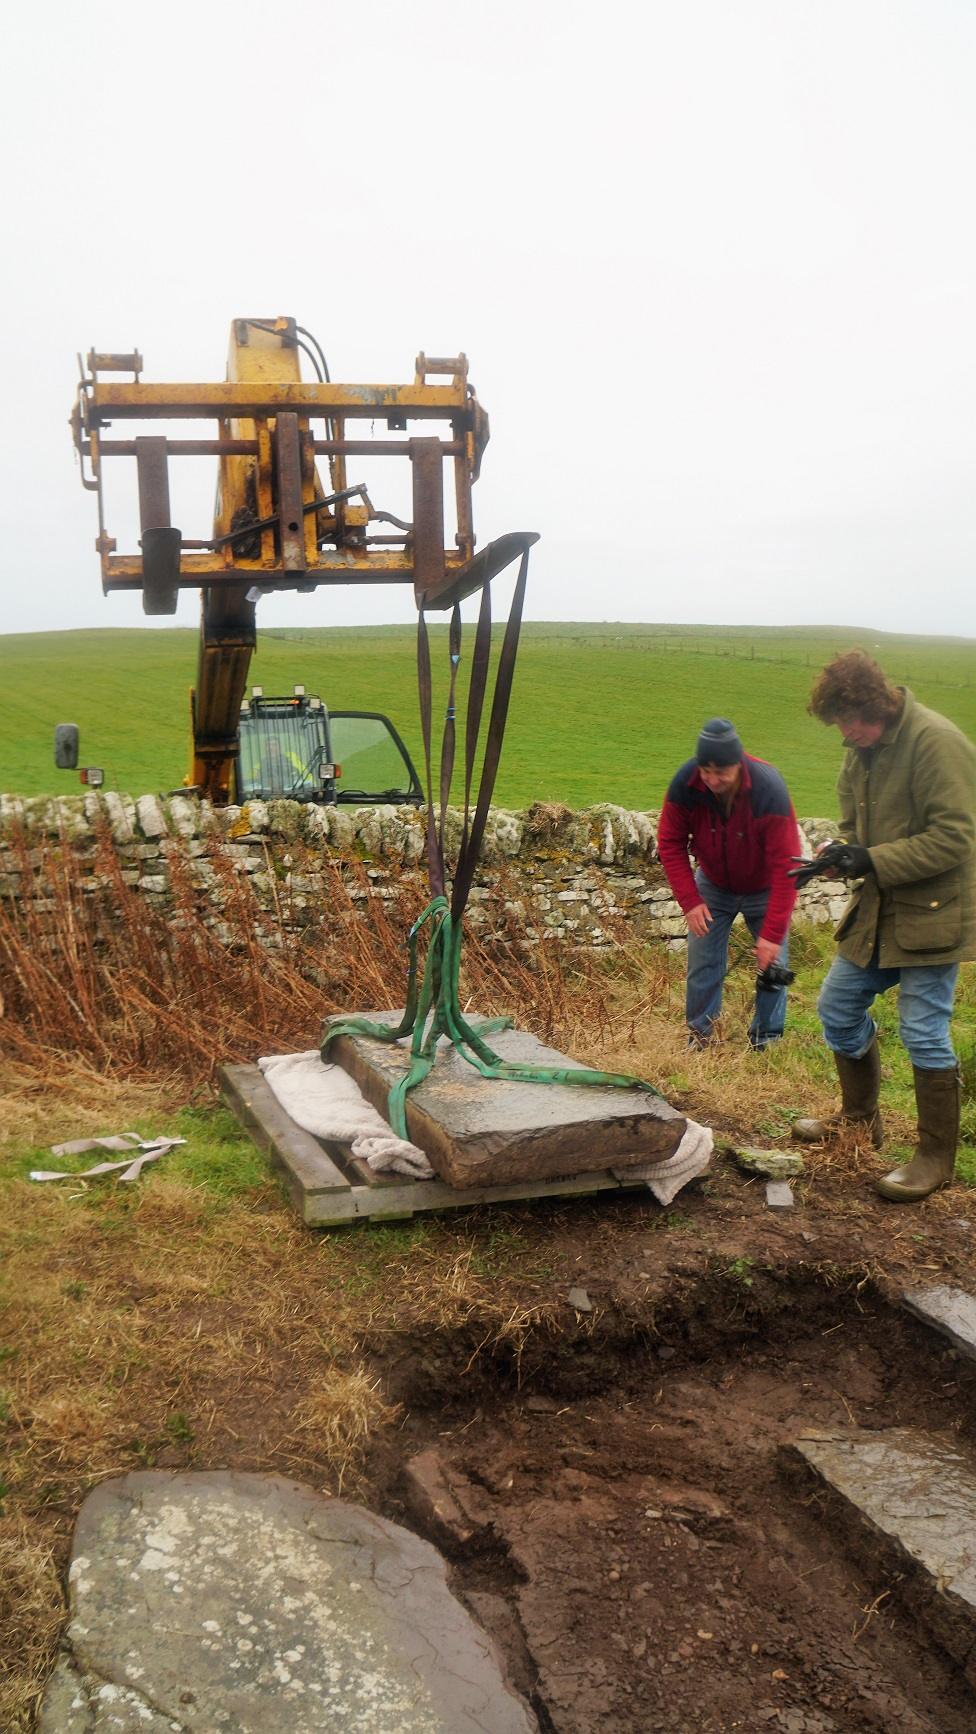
{"x": 545, "y": 819}
{"x": 741, "y": 1271}
{"x": 337, "y": 1417}
{"x": 31, "y": 1612}
{"x": 178, "y": 1428}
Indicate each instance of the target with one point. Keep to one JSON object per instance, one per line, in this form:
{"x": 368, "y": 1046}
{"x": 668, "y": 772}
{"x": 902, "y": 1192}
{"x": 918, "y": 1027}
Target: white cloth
{"x": 324, "y": 1100}
{"x": 150, "y": 1149}
{"x": 667, "y": 1177}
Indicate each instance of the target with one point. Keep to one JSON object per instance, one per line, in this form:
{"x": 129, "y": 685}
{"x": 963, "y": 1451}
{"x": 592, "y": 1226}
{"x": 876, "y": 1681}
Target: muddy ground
{"x": 619, "y": 1499}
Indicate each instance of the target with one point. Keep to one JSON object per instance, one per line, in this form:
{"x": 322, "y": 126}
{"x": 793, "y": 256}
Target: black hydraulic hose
{"x": 312, "y": 358}
{"x": 325, "y": 366}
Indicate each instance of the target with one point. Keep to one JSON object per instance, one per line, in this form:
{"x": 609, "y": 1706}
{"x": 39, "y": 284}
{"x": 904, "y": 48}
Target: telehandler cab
{"x": 295, "y": 749}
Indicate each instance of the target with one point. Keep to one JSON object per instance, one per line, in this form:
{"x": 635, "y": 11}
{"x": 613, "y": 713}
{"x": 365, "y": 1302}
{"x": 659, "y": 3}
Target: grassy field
{"x": 599, "y": 711}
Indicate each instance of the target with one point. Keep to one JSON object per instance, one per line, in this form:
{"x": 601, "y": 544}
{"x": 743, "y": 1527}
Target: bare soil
{"x": 647, "y": 1564}
{"x": 619, "y": 1499}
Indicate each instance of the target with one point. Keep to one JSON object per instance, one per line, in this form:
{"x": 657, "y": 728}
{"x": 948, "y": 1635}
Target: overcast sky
{"x": 713, "y": 263}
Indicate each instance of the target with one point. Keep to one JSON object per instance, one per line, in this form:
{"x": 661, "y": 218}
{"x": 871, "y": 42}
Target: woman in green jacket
{"x": 907, "y": 792}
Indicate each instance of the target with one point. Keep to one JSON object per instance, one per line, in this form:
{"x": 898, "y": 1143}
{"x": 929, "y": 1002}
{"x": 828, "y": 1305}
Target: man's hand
{"x": 699, "y": 920}
{"x": 857, "y": 863}
{"x": 846, "y": 860}
{"x": 766, "y": 953}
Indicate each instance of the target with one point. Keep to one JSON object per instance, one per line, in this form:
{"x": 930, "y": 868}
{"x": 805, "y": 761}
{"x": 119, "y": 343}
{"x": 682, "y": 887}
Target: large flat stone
{"x": 216, "y": 1601}
{"x": 915, "y": 1499}
{"x": 951, "y": 1311}
{"x": 327, "y": 1186}
{"x": 481, "y": 1131}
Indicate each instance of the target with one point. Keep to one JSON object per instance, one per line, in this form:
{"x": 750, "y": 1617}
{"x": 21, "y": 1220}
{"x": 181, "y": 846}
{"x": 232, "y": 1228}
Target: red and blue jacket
{"x": 751, "y": 849}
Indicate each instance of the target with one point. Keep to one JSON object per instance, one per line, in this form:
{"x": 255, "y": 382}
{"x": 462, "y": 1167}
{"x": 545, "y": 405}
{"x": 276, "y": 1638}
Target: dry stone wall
{"x": 557, "y": 873}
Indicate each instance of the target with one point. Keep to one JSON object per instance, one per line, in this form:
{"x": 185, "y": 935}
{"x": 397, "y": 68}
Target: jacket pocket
{"x": 925, "y": 918}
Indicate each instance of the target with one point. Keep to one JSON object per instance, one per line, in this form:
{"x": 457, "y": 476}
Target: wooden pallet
{"x": 329, "y": 1188}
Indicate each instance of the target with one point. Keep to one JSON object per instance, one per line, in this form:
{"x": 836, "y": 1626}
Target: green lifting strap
{"x": 432, "y": 1008}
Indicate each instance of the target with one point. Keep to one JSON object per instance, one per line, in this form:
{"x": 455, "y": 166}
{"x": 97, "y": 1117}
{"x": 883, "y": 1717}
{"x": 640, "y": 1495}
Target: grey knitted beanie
{"x": 718, "y": 743}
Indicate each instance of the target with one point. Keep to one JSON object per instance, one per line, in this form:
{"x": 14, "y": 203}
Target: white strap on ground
{"x": 149, "y": 1150}
{"x": 666, "y": 1178}
{"x": 326, "y": 1101}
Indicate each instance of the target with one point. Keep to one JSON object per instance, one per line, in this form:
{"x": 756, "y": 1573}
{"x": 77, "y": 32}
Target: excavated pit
{"x": 624, "y": 1510}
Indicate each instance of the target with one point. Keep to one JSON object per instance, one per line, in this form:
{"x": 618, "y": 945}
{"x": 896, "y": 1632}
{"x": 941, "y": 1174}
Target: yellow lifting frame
{"x": 275, "y": 525}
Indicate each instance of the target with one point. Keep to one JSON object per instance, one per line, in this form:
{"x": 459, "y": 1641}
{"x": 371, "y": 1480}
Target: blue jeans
{"x": 708, "y": 961}
{"x": 924, "y": 1009}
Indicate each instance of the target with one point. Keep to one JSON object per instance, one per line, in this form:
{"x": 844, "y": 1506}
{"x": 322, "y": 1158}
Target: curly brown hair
{"x": 854, "y": 683}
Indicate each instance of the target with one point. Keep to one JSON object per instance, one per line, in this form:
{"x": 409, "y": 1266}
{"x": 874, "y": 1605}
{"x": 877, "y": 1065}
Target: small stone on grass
{"x": 774, "y": 1164}
{"x": 779, "y": 1195}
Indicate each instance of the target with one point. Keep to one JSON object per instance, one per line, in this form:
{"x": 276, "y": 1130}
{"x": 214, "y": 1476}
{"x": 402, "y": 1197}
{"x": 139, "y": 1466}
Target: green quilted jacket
{"x": 911, "y": 801}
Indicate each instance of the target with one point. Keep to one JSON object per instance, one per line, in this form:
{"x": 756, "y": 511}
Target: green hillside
{"x": 599, "y": 711}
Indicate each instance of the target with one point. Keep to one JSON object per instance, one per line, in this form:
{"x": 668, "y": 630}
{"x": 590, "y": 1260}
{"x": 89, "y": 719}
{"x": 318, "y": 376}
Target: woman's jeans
{"x": 924, "y": 1009}
{"x": 708, "y": 960}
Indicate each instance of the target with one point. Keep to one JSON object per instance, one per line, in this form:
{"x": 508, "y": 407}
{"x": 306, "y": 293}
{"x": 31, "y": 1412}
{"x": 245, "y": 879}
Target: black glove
{"x": 847, "y": 859}
{"x": 856, "y": 862}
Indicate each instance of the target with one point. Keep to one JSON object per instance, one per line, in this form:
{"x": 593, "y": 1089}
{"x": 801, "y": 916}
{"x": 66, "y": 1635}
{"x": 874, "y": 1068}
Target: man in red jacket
{"x": 733, "y": 814}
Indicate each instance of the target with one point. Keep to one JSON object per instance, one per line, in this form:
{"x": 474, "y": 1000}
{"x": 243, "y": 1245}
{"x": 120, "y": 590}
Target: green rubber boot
{"x": 938, "y": 1097}
{"x": 860, "y": 1085}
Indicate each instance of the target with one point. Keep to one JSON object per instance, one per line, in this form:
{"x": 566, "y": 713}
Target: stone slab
{"x": 481, "y": 1131}
{"x": 310, "y": 1166}
{"x": 951, "y": 1311}
{"x": 203, "y": 1602}
{"x": 915, "y": 1496}
{"x": 779, "y": 1195}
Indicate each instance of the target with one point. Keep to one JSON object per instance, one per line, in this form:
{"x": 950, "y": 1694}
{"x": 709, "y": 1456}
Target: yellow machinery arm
{"x": 275, "y": 526}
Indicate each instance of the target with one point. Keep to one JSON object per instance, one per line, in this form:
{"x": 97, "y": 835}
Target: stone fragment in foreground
{"x": 448, "y": 1506}
{"x": 773, "y": 1164}
{"x": 779, "y": 1195}
{"x": 481, "y": 1131}
{"x": 914, "y": 1501}
{"x": 950, "y": 1311}
{"x": 205, "y": 1601}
